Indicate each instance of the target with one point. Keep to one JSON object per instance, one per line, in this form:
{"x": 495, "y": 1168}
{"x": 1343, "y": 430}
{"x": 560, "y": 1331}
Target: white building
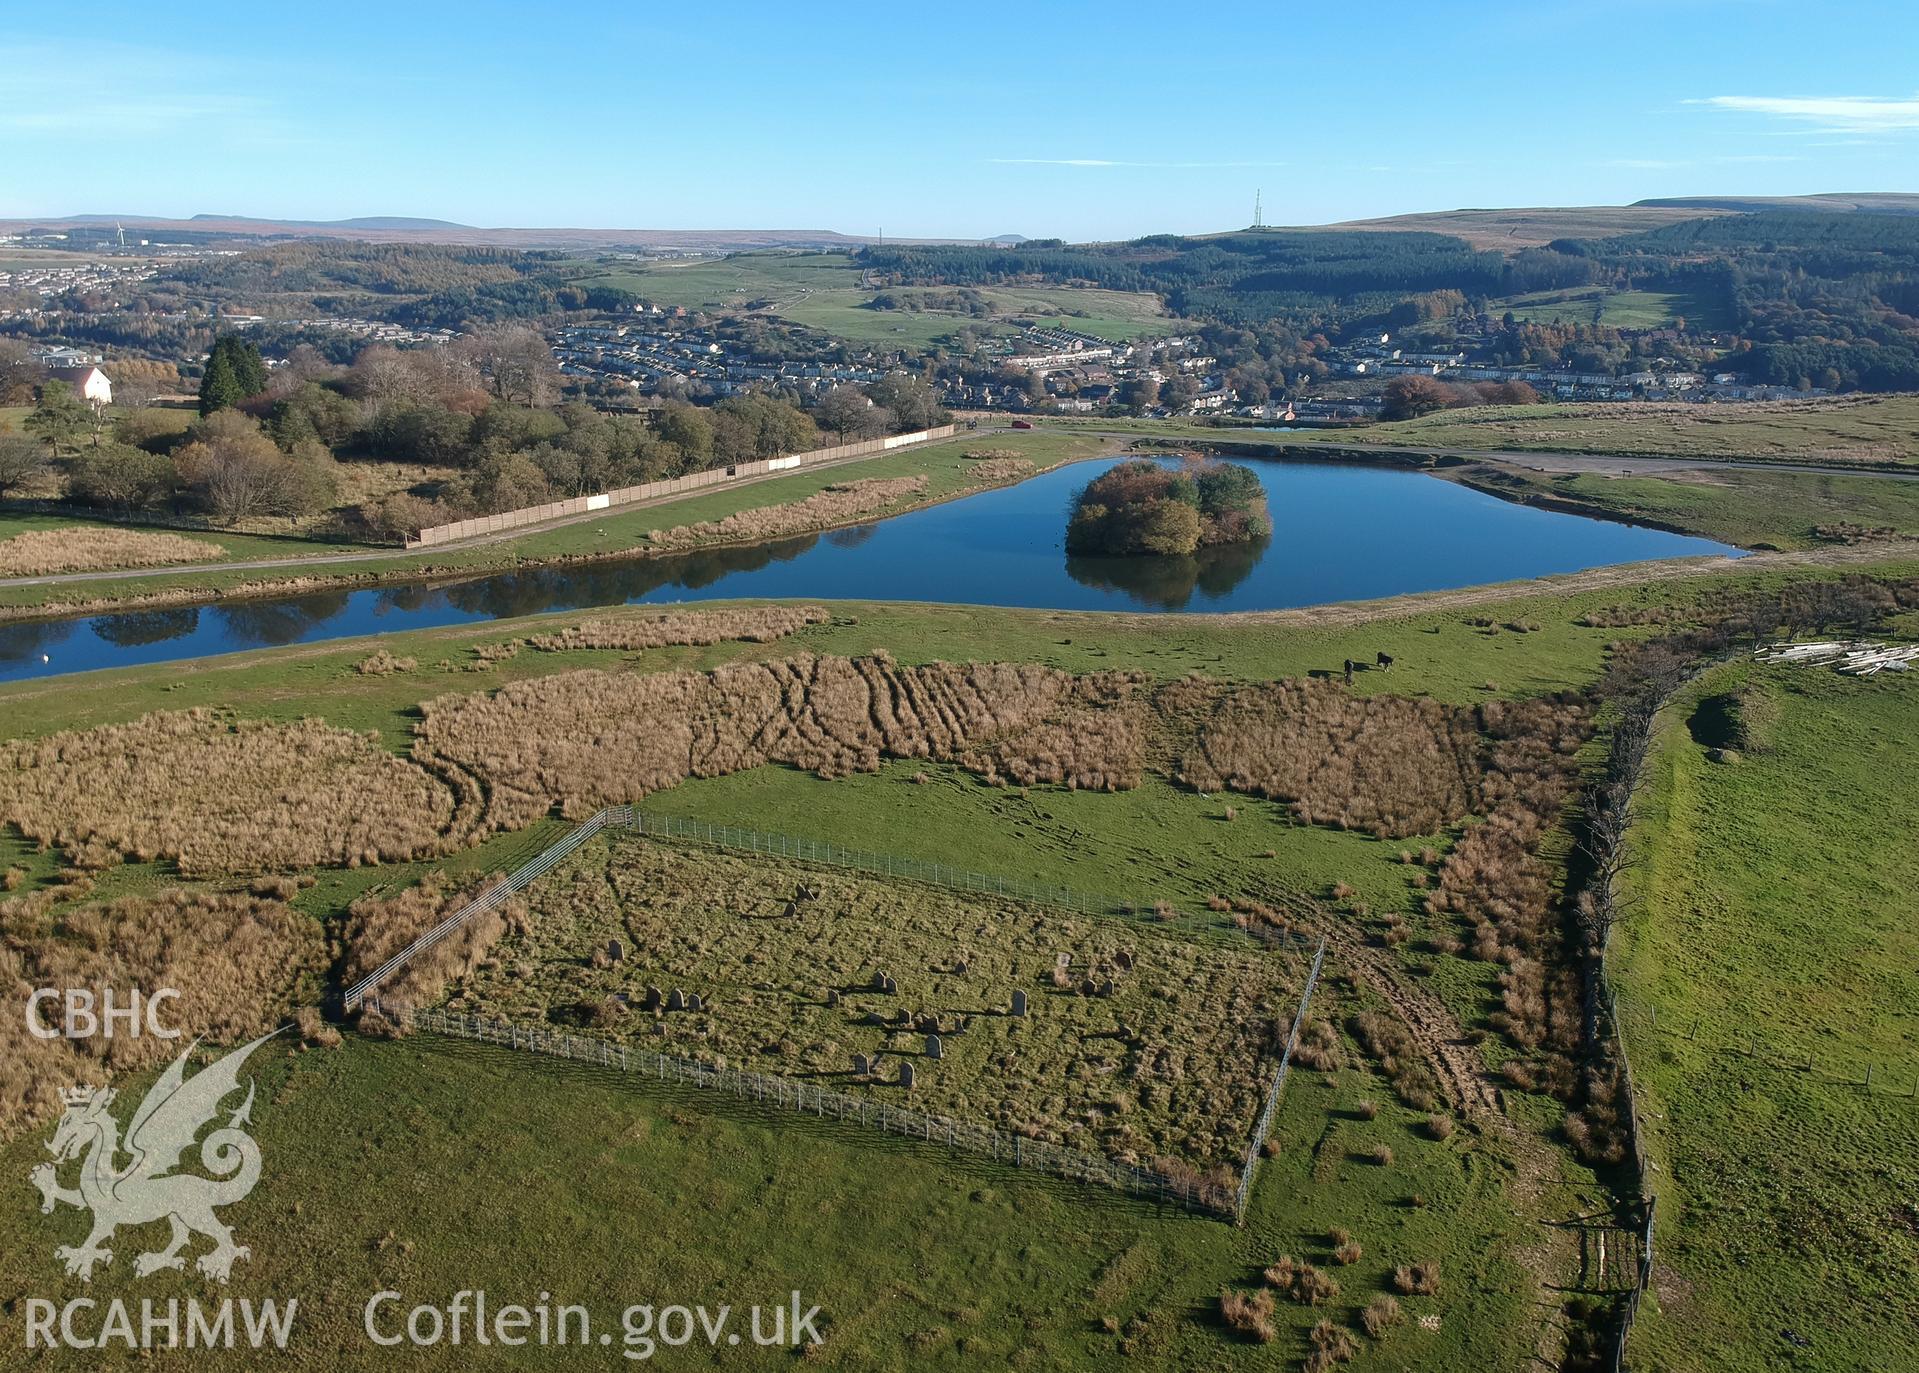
{"x": 88, "y": 383}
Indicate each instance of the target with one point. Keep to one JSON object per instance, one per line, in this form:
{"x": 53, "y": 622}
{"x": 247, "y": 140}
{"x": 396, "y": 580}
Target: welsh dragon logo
{"x": 147, "y": 1189}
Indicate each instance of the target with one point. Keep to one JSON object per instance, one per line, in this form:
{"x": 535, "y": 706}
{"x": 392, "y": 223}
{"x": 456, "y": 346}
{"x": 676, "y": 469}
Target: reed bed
{"x": 88, "y": 548}
{"x": 588, "y": 739}
{"x": 381, "y": 924}
{"x": 840, "y": 503}
{"x": 1135, "y": 1044}
{"x": 1387, "y": 765}
{"x": 628, "y": 633}
{"x": 239, "y": 962}
{"x": 221, "y": 795}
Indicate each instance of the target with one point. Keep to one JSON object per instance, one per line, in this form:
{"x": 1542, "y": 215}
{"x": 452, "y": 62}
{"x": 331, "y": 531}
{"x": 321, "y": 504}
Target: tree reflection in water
{"x": 146, "y": 626}
{"x": 1170, "y": 583}
{"x": 269, "y": 624}
{"x": 25, "y": 642}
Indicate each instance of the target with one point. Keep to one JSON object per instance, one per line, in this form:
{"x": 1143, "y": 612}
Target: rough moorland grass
{"x": 1775, "y": 901}
{"x": 631, "y": 632}
{"x": 1136, "y": 1043}
{"x": 219, "y": 795}
{"x": 238, "y": 961}
{"x": 429, "y": 1167}
{"x": 837, "y": 504}
{"x": 90, "y": 548}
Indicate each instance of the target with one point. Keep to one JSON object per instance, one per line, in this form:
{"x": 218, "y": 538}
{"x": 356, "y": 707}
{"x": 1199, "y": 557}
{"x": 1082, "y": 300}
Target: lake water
{"x": 1340, "y": 533}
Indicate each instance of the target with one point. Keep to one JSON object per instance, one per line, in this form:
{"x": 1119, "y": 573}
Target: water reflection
{"x": 146, "y": 626}
{"x": 999, "y": 548}
{"x": 1170, "y": 583}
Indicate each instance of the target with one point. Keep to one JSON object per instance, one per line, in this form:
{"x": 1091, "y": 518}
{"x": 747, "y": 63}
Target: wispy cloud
{"x": 115, "y": 94}
{"x": 1828, "y": 113}
{"x": 1669, "y": 164}
{"x": 1112, "y": 162}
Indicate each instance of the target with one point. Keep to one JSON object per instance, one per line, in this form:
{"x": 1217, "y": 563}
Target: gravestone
{"x": 934, "y": 1049}
{"x": 880, "y": 979}
{"x": 832, "y": 996}
{"x": 891, "y": 988}
{"x": 676, "y": 1000}
{"x": 862, "y": 1065}
{"x": 1106, "y": 987}
{"x": 1019, "y": 1003}
{"x": 875, "y": 1018}
{"x": 959, "y": 968}
{"x": 614, "y": 951}
{"x": 1088, "y": 987}
{"x": 694, "y": 1003}
{"x": 1125, "y": 960}
{"x": 906, "y": 1075}
{"x": 653, "y": 998}
{"x": 790, "y": 909}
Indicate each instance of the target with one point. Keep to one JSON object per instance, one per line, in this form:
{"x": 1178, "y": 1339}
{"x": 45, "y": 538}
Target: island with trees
{"x": 1151, "y": 508}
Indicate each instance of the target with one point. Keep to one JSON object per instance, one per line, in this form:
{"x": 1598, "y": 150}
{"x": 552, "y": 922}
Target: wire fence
{"x": 767, "y": 844}
{"x": 1193, "y": 1192}
{"x": 1263, "y": 1127}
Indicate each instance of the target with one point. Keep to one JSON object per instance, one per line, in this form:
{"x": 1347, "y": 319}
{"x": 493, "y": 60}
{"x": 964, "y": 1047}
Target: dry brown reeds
{"x": 748, "y": 624}
{"x": 1388, "y": 765}
{"x": 1250, "y": 1313}
{"x": 382, "y": 663}
{"x": 1419, "y": 1279}
{"x": 1382, "y": 1313}
{"x": 999, "y": 469}
{"x": 1332, "y": 1345}
{"x": 380, "y": 925}
{"x": 221, "y": 795}
{"x": 588, "y": 739}
{"x": 92, "y": 548}
{"x": 237, "y": 961}
{"x": 1301, "y": 1282}
{"x": 840, "y": 503}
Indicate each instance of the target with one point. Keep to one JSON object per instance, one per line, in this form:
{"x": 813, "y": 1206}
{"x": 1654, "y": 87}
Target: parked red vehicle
{"x": 1022, "y": 424}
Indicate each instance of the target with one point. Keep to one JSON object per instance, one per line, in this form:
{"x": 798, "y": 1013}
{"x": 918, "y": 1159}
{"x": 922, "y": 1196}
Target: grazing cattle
{"x": 1385, "y": 660}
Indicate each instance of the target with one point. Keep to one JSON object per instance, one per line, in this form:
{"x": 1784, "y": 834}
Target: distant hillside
{"x": 402, "y": 229}
{"x": 1874, "y": 202}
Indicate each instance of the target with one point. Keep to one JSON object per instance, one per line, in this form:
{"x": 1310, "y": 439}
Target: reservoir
{"x": 1340, "y": 533}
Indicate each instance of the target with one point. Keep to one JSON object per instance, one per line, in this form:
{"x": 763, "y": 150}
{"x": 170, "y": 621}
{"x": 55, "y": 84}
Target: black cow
{"x": 1385, "y": 660}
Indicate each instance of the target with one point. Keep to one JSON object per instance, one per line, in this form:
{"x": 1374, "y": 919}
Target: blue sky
{"x": 1079, "y": 120}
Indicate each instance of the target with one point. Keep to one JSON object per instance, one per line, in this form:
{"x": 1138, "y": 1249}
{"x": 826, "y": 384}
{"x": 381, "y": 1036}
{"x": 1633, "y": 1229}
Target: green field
{"x": 1743, "y": 506}
{"x": 822, "y": 291}
{"x": 1764, "y": 964}
{"x": 1614, "y": 309}
{"x": 1862, "y": 431}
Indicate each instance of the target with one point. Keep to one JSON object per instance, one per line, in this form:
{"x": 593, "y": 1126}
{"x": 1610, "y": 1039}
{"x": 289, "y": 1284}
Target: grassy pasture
{"x": 1753, "y": 509}
{"x": 1774, "y": 902}
{"x": 1867, "y": 430}
{"x": 1615, "y": 309}
{"x": 429, "y": 1166}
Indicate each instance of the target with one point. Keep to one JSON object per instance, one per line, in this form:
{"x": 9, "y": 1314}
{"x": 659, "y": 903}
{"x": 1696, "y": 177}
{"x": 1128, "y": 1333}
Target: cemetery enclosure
{"x": 1132, "y": 1043}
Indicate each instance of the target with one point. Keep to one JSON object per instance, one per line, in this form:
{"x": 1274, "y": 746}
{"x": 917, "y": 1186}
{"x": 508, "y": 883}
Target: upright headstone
{"x": 891, "y": 988}
{"x": 934, "y": 1049}
{"x": 832, "y": 996}
{"x": 880, "y": 980}
{"x": 906, "y": 1074}
{"x": 790, "y": 910}
{"x": 653, "y": 999}
{"x": 614, "y": 951}
{"x": 1088, "y": 987}
{"x": 1106, "y": 987}
{"x": 676, "y": 1000}
{"x": 1125, "y": 959}
{"x": 862, "y": 1065}
{"x": 694, "y": 1003}
{"x": 1019, "y": 1003}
